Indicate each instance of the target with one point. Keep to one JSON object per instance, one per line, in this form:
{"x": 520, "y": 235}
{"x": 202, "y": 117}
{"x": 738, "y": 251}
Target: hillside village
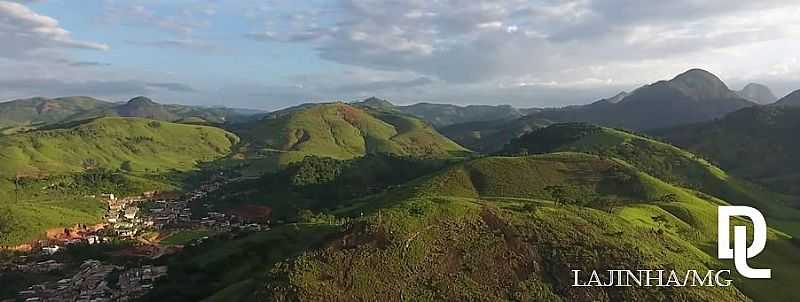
{"x": 131, "y": 219}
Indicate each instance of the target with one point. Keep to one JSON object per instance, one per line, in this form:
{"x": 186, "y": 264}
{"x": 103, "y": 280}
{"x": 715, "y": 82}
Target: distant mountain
{"x": 757, "y": 93}
{"x": 342, "y": 131}
{"x": 792, "y": 100}
{"x": 758, "y": 143}
{"x": 35, "y": 111}
{"x": 441, "y": 115}
{"x": 491, "y": 136}
{"x": 693, "y": 96}
{"x": 376, "y": 103}
{"x": 145, "y": 108}
{"x": 617, "y": 98}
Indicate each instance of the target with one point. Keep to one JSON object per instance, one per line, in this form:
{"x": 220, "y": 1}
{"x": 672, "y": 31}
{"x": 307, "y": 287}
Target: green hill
{"x": 35, "y": 111}
{"x": 757, "y": 143}
{"x": 109, "y": 142}
{"x": 342, "y": 131}
{"x": 46, "y": 174}
{"x": 491, "y": 136}
{"x": 496, "y": 228}
{"x": 146, "y": 108}
{"x": 492, "y": 229}
{"x": 664, "y": 161}
{"x": 441, "y": 115}
{"x": 25, "y": 114}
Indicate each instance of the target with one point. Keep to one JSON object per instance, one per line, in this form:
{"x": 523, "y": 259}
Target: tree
{"x": 669, "y": 198}
{"x": 662, "y": 221}
{"x": 606, "y": 204}
{"x": 559, "y": 194}
{"x": 126, "y": 166}
{"x": 89, "y": 164}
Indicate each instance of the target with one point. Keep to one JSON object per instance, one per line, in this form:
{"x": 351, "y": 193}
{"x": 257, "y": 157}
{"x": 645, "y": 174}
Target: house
{"x": 94, "y": 239}
{"x": 50, "y": 250}
{"x": 108, "y": 196}
{"x": 130, "y": 212}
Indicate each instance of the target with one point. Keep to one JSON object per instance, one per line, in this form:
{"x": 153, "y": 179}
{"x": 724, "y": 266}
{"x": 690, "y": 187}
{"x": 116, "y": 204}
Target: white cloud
{"x": 555, "y": 41}
{"x": 23, "y": 32}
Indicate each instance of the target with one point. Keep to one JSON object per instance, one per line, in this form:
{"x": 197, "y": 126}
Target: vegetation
{"x": 756, "y": 143}
{"x": 663, "y": 161}
{"x": 49, "y": 174}
{"x": 488, "y": 229}
{"x": 340, "y": 131}
{"x": 323, "y": 184}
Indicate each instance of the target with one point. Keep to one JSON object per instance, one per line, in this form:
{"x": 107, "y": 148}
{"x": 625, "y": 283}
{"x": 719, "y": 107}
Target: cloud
{"x": 187, "y": 44}
{"x": 88, "y": 64}
{"x": 56, "y": 87}
{"x": 183, "y": 23}
{"x": 378, "y": 86}
{"x": 25, "y": 33}
{"x": 174, "y": 87}
{"x": 550, "y": 40}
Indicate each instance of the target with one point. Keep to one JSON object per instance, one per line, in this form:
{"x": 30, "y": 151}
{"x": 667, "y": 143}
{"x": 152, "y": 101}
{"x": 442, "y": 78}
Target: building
{"x": 50, "y": 250}
{"x": 130, "y": 212}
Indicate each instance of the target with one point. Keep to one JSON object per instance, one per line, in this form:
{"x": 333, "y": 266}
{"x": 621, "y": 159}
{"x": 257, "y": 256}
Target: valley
{"x": 370, "y": 200}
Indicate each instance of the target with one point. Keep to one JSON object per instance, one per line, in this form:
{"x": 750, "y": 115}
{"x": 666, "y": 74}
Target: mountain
{"x": 441, "y": 115}
{"x": 757, "y": 93}
{"x": 144, "y": 107}
{"x": 491, "y": 136}
{"x": 485, "y": 229}
{"x": 37, "y": 111}
{"x": 376, "y": 103}
{"x": 693, "y": 96}
{"x": 445, "y": 114}
{"x": 342, "y": 131}
{"x": 25, "y": 114}
{"x": 662, "y": 160}
{"x": 791, "y": 100}
{"x": 757, "y": 143}
{"x": 109, "y": 142}
{"x": 618, "y": 98}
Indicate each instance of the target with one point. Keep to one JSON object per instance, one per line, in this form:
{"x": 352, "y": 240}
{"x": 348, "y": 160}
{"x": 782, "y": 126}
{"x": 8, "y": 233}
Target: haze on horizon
{"x": 273, "y": 54}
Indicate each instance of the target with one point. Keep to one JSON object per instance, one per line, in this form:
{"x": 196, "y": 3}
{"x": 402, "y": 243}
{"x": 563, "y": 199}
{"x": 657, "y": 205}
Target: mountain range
{"x": 39, "y": 111}
{"x": 375, "y": 201}
{"x": 762, "y": 135}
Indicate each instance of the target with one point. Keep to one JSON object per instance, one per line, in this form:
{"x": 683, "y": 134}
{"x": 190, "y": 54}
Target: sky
{"x": 270, "y": 54}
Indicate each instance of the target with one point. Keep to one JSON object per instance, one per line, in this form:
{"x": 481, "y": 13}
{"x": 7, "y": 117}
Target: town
{"x": 146, "y": 225}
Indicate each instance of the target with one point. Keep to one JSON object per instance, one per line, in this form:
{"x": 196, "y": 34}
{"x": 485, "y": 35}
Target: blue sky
{"x": 273, "y": 54}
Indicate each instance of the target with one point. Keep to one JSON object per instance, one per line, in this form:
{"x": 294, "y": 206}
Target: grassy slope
{"x": 342, "y": 131}
{"x": 682, "y": 168}
{"x": 491, "y": 136}
{"x": 488, "y": 230}
{"x": 157, "y": 147}
{"x": 42, "y": 110}
{"x": 757, "y": 143}
{"x": 110, "y": 142}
